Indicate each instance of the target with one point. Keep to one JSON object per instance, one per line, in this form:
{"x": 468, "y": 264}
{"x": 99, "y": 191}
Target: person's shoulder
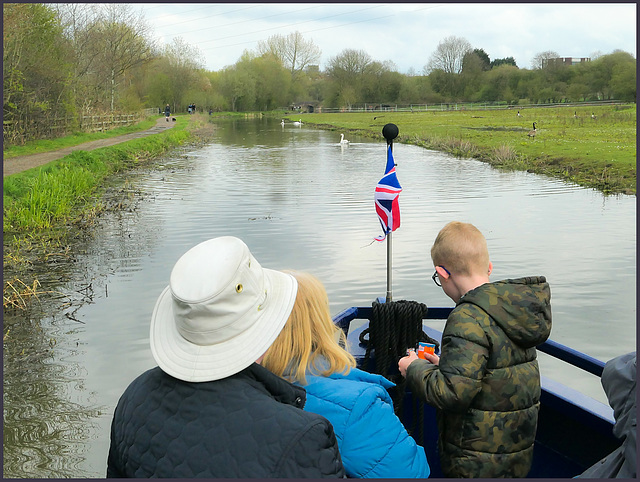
{"x": 468, "y": 310}
{"x": 467, "y": 320}
{"x": 360, "y": 376}
{"x": 152, "y": 375}
{"x": 347, "y": 389}
{"x": 355, "y": 379}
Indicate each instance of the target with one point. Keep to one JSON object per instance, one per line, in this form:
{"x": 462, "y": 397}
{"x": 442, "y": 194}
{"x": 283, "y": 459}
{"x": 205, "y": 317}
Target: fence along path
{"x": 18, "y": 164}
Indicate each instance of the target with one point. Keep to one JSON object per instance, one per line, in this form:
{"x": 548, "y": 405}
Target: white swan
{"x": 343, "y": 140}
{"x": 297, "y": 123}
{"x": 282, "y": 123}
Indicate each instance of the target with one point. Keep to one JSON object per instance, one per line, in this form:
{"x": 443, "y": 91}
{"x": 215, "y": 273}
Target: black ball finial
{"x": 390, "y": 132}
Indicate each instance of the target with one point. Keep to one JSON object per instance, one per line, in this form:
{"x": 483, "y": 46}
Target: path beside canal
{"x": 18, "y": 164}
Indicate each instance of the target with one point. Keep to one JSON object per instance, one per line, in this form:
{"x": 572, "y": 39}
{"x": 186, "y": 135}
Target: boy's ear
{"x": 490, "y": 267}
{"x": 442, "y": 273}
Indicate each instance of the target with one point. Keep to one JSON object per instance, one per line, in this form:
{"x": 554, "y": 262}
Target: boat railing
{"x": 550, "y": 347}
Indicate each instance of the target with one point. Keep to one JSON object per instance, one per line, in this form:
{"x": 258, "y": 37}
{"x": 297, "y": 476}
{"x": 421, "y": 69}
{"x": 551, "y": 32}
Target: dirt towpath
{"x": 22, "y": 163}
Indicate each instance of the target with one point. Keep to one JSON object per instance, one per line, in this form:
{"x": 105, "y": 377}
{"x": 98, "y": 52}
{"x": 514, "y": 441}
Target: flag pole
{"x": 390, "y": 132}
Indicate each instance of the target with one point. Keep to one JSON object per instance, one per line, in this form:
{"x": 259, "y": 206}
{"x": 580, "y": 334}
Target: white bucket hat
{"x": 220, "y": 312}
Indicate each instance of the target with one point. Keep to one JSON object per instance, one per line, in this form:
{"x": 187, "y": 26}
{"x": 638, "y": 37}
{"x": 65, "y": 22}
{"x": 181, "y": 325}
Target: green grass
{"x": 55, "y": 194}
{"x": 598, "y": 153}
{"x": 47, "y": 145}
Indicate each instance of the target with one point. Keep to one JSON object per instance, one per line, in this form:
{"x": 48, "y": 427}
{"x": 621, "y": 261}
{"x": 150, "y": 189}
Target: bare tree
{"x": 449, "y": 55}
{"x": 348, "y": 64}
{"x": 183, "y": 61}
{"x": 346, "y": 72}
{"x": 123, "y": 40}
{"x": 293, "y": 51}
{"x": 79, "y": 22}
{"x": 541, "y": 58}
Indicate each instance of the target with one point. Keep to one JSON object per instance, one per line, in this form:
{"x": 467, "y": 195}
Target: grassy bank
{"x": 595, "y": 152}
{"x": 46, "y": 145}
{"x": 45, "y": 208}
{"x": 54, "y": 194}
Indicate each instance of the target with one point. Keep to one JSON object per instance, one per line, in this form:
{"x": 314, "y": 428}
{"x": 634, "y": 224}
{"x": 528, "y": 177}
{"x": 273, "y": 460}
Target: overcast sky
{"x": 405, "y": 33}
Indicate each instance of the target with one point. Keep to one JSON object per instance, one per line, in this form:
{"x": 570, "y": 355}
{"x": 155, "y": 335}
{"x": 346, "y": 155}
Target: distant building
{"x": 565, "y": 61}
{"x": 308, "y": 106}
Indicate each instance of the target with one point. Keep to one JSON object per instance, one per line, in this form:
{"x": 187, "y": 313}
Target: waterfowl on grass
{"x": 533, "y": 132}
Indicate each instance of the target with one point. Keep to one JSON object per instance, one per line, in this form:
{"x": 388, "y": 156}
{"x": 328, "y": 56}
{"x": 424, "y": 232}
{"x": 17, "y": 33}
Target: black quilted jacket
{"x": 248, "y": 425}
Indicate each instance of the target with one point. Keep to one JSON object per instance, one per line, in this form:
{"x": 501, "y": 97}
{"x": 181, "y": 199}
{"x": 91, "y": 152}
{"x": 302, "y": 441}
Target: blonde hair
{"x": 461, "y": 248}
{"x": 310, "y": 340}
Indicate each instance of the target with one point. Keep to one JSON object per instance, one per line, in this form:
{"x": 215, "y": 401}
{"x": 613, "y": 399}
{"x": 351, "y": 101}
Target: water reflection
{"x": 300, "y": 200}
{"x": 48, "y": 415}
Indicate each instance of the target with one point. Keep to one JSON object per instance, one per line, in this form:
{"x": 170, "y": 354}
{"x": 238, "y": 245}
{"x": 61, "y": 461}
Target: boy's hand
{"x": 432, "y": 358}
{"x": 404, "y": 362}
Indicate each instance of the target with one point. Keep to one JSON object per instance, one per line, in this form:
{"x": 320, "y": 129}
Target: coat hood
{"x": 619, "y": 383}
{"x": 521, "y": 307}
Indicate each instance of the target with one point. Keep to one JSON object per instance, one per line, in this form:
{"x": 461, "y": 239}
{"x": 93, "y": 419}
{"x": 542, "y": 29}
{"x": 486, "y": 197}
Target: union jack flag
{"x": 386, "y": 198}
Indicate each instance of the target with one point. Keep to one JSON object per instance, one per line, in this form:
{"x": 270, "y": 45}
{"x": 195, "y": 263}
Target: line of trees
{"x": 69, "y": 60}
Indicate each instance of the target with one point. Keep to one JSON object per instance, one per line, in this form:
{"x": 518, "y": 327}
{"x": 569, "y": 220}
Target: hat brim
{"x": 187, "y": 361}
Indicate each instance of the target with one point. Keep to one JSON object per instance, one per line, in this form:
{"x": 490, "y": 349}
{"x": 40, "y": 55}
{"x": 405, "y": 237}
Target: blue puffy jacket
{"x": 372, "y": 440}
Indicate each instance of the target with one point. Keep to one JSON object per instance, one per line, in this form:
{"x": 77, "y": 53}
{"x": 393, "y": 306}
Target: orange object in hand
{"x": 425, "y": 348}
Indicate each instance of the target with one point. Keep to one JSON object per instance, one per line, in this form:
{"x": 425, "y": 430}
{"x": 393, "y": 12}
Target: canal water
{"x": 300, "y": 200}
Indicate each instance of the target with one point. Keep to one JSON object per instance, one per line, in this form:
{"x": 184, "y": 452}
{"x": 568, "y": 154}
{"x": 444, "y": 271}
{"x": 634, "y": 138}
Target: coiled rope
{"x": 394, "y": 327}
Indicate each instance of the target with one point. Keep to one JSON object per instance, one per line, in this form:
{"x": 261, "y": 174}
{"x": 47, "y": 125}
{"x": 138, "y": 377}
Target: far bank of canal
{"x": 592, "y": 146}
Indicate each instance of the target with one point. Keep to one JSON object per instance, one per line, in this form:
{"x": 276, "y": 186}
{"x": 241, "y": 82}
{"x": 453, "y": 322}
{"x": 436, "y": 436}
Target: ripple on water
{"x": 46, "y": 434}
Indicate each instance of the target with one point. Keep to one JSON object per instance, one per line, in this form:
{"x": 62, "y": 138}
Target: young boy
{"x": 486, "y": 383}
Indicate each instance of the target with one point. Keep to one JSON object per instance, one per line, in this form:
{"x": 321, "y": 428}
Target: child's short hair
{"x": 461, "y": 248}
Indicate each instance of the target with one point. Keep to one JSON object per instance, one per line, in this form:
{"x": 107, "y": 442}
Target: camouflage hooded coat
{"x": 487, "y": 385}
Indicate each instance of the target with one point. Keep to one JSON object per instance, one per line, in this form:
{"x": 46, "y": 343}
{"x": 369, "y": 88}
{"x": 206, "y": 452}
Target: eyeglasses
{"x": 435, "y": 278}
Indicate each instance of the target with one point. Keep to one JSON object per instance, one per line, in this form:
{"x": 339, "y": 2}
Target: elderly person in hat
{"x": 209, "y": 410}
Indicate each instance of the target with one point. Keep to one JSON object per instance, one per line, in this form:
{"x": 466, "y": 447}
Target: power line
{"x": 278, "y": 27}
{"x": 201, "y": 18}
{"x": 308, "y": 31}
{"x": 243, "y": 21}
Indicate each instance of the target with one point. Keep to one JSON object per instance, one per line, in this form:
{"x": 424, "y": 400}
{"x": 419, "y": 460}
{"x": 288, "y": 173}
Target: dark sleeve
{"x": 313, "y": 453}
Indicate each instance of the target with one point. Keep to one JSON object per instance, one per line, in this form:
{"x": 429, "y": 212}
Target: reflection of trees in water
{"x": 50, "y": 420}
{"x": 45, "y": 434}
